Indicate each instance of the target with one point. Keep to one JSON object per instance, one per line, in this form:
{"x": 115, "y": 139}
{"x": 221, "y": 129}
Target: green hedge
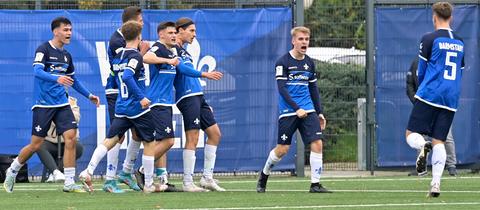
{"x": 340, "y": 85}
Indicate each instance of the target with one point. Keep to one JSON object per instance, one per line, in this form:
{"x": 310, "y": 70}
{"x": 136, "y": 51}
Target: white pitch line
{"x": 363, "y": 191}
{"x": 354, "y": 179}
{"x": 54, "y": 188}
{"x": 344, "y": 206}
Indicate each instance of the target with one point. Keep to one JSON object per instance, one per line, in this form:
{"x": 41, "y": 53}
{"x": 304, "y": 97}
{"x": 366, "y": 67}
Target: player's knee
{"x": 316, "y": 146}
{"x": 192, "y": 134}
{"x": 35, "y": 147}
{"x": 217, "y": 134}
{"x": 281, "y": 150}
{"x": 170, "y": 143}
{"x": 407, "y": 133}
{"x": 70, "y": 143}
{"x": 214, "y": 136}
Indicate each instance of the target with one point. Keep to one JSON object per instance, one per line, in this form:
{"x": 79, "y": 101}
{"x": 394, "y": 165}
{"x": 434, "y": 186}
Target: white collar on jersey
{"x": 120, "y": 32}
{"x": 53, "y": 46}
{"x": 448, "y": 29}
{"x": 291, "y": 54}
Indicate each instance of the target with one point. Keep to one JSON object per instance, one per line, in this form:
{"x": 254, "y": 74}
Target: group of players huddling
{"x": 147, "y": 111}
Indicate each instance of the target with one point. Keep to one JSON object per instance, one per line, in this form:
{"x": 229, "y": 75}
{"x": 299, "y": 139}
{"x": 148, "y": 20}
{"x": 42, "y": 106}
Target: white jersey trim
{"x": 434, "y": 104}
{"x": 420, "y": 56}
{"x": 294, "y": 113}
{"x": 160, "y": 104}
{"x": 111, "y": 91}
{"x": 129, "y": 68}
{"x": 167, "y": 72}
{"x": 297, "y": 83}
{"x": 133, "y": 117}
{"x": 38, "y": 63}
{"x": 50, "y": 106}
{"x": 188, "y": 95}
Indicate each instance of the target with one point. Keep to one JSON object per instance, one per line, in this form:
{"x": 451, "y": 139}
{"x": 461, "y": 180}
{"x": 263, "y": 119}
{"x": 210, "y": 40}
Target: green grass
{"x": 282, "y": 192}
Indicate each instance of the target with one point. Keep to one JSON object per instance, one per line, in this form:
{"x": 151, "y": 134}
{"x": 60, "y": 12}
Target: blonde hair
{"x": 299, "y": 29}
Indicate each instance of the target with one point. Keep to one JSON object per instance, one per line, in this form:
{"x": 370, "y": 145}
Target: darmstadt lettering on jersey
{"x": 450, "y": 46}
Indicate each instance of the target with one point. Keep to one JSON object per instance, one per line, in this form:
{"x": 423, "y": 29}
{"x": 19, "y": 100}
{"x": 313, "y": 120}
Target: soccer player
{"x": 131, "y": 108}
{"x": 439, "y": 75}
{"x": 300, "y": 108}
{"x": 117, "y": 41}
{"x": 53, "y": 70}
{"x": 450, "y": 163}
{"x": 164, "y": 66}
{"x": 197, "y": 114}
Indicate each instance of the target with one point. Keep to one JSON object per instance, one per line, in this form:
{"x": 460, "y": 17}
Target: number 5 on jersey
{"x": 452, "y": 74}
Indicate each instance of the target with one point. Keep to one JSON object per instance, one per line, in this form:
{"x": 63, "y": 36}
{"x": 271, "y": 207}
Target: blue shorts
{"x": 429, "y": 120}
{"x": 111, "y": 100}
{"x": 62, "y": 117}
{"x": 197, "y": 114}
{"x": 162, "y": 115}
{"x": 144, "y": 127}
{"x": 309, "y": 128}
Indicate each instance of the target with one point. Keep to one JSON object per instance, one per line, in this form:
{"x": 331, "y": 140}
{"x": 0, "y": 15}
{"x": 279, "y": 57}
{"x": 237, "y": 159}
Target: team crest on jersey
{"x": 154, "y": 49}
{"x": 174, "y": 51}
{"x": 279, "y": 71}
{"x": 38, "y": 57}
{"x": 65, "y": 57}
{"x": 133, "y": 63}
{"x": 306, "y": 66}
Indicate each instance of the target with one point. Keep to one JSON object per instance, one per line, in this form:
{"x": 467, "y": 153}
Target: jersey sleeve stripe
{"x": 423, "y": 58}
{"x": 130, "y": 69}
{"x": 314, "y": 80}
{"x": 36, "y": 63}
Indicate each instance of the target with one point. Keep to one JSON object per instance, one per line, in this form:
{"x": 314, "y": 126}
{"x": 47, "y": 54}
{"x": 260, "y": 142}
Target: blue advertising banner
{"x": 243, "y": 44}
{"x": 398, "y": 33}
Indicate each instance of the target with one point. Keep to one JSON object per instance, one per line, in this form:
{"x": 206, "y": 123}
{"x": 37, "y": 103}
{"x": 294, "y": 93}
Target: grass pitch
{"x": 462, "y": 192}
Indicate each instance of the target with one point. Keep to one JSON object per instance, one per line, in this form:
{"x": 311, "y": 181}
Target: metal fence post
{"x": 370, "y": 76}
{"x": 361, "y": 134}
{"x": 300, "y": 155}
{"x": 38, "y": 4}
{"x": 143, "y": 4}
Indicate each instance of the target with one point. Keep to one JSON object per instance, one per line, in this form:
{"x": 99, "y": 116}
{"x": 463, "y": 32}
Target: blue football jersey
{"x": 440, "y": 69}
{"x": 298, "y": 74}
{"x": 54, "y": 61}
{"x": 116, "y": 43}
{"x": 186, "y": 86}
{"x": 160, "y": 91}
{"x": 127, "y": 104}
